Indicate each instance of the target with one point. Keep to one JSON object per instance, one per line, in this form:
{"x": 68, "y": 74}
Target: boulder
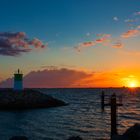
{"x": 132, "y": 133}
{"x": 19, "y": 138}
{"x": 74, "y": 138}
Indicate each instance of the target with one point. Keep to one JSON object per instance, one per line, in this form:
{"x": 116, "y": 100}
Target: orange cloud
{"x": 88, "y": 44}
{"x": 100, "y": 40}
{"x": 118, "y": 45}
{"x": 130, "y": 33}
{"x": 85, "y": 45}
{"x": 104, "y": 38}
{"x": 65, "y": 77}
{"x": 102, "y": 79}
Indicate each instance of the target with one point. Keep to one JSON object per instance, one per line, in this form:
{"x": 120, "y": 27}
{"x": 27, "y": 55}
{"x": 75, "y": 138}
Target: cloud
{"x": 84, "y": 45}
{"x": 115, "y": 18}
{"x": 63, "y": 77}
{"x": 68, "y": 78}
{"x": 129, "y": 20}
{"x": 137, "y": 13}
{"x": 88, "y": 34}
{"x": 130, "y": 33}
{"x": 50, "y": 67}
{"x": 107, "y": 40}
{"x": 138, "y": 27}
{"x": 37, "y": 43}
{"x": 102, "y": 79}
{"x": 103, "y": 39}
{"x": 14, "y": 44}
{"x": 88, "y": 44}
{"x": 118, "y": 45}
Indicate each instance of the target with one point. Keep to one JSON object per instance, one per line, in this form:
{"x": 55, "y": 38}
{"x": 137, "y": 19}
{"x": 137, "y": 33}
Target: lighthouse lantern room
{"x": 18, "y": 81}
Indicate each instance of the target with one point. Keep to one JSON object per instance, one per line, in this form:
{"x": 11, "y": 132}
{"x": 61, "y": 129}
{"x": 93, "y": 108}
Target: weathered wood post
{"x": 113, "y": 104}
{"x": 102, "y": 100}
{"x": 113, "y": 115}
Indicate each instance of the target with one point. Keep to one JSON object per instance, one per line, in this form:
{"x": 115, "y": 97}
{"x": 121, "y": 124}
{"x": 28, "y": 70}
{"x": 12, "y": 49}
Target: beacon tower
{"x": 18, "y": 81}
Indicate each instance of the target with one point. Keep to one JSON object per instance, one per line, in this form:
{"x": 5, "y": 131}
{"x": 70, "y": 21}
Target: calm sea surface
{"x": 82, "y": 116}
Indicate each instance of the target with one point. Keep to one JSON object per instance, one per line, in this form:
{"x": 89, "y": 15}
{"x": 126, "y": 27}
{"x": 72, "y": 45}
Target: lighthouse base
{"x": 18, "y": 85}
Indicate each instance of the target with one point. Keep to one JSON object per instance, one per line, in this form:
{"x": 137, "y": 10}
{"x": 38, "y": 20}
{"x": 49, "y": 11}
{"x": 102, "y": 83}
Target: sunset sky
{"x": 70, "y": 43}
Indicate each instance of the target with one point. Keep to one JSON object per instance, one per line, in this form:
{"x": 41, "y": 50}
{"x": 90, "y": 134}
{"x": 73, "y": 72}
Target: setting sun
{"x": 132, "y": 84}
{"x": 131, "y": 80}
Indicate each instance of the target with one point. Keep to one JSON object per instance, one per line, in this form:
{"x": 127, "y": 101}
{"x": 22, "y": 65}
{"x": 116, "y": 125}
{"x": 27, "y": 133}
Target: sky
{"x": 70, "y": 43}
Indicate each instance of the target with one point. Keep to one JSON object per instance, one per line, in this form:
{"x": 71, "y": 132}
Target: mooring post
{"x": 113, "y": 115}
{"x": 113, "y": 104}
{"x": 102, "y": 100}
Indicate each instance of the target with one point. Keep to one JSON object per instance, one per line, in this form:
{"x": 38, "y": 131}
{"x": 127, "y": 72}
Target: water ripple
{"x": 82, "y": 116}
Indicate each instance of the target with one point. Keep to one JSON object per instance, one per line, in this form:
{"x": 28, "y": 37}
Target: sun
{"x": 132, "y": 84}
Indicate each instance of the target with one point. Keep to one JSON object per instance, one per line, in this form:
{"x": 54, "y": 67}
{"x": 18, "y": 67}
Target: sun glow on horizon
{"x": 131, "y": 80}
{"x": 132, "y": 84}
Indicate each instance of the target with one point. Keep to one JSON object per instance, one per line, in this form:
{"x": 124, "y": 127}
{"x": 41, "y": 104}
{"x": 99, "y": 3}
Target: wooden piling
{"x": 102, "y": 100}
{"x": 113, "y": 115}
{"x": 113, "y": 104}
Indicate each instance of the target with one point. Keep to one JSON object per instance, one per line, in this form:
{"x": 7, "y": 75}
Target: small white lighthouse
{"x": 18, "y": 81}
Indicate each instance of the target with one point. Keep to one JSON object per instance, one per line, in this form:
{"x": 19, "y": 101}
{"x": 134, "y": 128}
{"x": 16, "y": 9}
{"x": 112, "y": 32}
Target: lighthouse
{"x": 18, "y": 81}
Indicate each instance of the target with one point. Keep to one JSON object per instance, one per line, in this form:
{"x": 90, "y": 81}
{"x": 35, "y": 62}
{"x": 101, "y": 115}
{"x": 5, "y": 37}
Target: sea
{"x": 82, "y": 116}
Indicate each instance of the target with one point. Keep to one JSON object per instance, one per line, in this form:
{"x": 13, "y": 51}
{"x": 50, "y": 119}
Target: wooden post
{"x": 102, "y": 100}
{"x": 113, "y": 104}
{"x": 113, "y": 115}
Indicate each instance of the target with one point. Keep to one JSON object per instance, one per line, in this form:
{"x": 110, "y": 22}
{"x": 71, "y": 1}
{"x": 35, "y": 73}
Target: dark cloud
{"x": 51, "y": 78}
{"x": 14, "y": 44}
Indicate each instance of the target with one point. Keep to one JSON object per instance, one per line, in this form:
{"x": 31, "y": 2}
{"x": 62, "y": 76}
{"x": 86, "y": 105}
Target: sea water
{"x": 82, "y": 117}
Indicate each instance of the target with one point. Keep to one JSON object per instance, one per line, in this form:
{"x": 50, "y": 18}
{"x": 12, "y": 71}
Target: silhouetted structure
{"x": 113, "y": 115}
{"x": 102, "y": 100}
{"x": 18, "y": 81}
{"x": 113, "y": 104}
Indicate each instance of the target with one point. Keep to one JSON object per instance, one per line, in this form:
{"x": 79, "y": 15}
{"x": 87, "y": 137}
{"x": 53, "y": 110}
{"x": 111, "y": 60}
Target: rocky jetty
{"x": 19, "y": 138}
{"x": 27, "y": 99}
{"x": 132, "y": 133}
